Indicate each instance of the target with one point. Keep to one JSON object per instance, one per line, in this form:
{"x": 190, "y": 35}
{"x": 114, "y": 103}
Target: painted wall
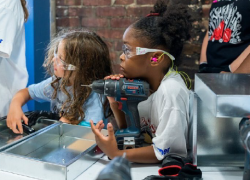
{"x": 37, "y": 34}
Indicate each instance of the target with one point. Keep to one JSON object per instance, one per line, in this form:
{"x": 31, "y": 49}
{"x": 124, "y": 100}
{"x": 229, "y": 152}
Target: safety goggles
{"x": 61, "y": 63}
{"x": 141, "y": 51}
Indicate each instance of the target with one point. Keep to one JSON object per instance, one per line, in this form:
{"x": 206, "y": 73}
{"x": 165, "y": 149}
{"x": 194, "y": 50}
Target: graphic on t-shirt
{"x": 224, "y": 24}
{"x": 163, "y": 152}
{"x": 1, "y": 40}
{"x": 146, "y": 123}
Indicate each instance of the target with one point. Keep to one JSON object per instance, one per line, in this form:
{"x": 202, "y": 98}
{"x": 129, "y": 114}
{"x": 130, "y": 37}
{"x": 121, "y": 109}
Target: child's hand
{"x": 14, "y": 120}
{"x": 108, "y": 143}
{"x": 114, "y": 76}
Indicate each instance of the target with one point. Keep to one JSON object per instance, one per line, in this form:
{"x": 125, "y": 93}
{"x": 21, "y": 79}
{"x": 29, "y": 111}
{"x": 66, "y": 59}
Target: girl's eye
{"x": 127, "y": 50}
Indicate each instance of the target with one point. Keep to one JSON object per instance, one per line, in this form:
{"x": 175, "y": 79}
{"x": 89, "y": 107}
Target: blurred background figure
{"x": 227, "y": 42}
{"x": 13, "y": 72}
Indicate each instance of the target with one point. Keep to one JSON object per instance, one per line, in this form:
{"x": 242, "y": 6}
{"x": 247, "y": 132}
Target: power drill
{"x": 128, "y": 93}
{"x": 245, "y": 139}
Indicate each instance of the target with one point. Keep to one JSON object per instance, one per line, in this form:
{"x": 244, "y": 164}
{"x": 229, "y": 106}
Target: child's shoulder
{"x": 173, "y": 85}
{"x": 173, "y": 81}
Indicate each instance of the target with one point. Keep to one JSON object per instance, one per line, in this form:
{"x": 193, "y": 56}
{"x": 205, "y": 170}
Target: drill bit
{"x": 90, "y": 86}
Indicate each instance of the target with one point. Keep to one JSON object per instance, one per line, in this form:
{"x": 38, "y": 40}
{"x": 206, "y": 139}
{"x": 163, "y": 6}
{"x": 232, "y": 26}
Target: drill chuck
{"x": 106, "y": 87}
{"x": 98, "y": 86}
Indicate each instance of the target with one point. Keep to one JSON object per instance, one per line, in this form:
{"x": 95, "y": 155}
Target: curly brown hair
{"x": 25, "y": 10}
{"x": 89, "y": 53}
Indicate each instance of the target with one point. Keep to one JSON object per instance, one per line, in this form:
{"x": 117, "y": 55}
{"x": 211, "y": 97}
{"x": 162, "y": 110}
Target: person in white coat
{"x": 13, "y": 71}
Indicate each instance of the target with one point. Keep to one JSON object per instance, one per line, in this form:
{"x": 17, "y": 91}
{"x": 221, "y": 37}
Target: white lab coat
{"x": 13, "y": 71}
{"x": 166, "y": 114}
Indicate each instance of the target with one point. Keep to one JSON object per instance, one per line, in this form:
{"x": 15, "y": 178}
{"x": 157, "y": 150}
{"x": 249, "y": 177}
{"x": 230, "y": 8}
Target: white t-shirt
{"x": 166, "y": 114}
{"x": 13, "y": 72}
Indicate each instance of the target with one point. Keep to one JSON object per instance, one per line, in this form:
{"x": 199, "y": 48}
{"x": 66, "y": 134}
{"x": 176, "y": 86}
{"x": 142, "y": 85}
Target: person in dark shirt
{"x": 227, "y": 42}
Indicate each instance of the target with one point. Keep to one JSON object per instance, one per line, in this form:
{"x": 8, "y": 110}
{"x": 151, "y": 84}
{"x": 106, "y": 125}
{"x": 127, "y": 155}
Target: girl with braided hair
{"x": 151, "y": 46}
{"x": 13, "y": 71}
{"x": 73, "y": 58}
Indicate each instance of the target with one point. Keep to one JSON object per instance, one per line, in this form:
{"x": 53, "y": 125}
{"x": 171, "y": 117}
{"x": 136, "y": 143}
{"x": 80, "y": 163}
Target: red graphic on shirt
{"x": 220, "y": 33}
{"x": 227, "y": 35}
{"x": 147, "y": 122}
{"x": 153, "y": 128}
{"x": 225, "y": 24}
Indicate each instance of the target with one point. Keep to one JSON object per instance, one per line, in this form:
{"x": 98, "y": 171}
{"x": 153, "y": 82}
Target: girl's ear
{"x": 157, "y": 58}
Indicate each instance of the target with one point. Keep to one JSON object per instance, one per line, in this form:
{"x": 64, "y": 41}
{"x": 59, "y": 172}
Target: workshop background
{"x": 110, "y": 18}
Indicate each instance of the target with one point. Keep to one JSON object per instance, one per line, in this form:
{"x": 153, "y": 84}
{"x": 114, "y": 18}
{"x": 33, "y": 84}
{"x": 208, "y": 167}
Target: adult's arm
{"x": 244, "y": 67}
{"x": 238, "y": 65}
{"x": 203, "y": 56}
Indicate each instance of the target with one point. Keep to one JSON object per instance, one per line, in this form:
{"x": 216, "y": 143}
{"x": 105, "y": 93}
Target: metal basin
{"x": 62, "y": 151}
{"x": 8, "y": 138}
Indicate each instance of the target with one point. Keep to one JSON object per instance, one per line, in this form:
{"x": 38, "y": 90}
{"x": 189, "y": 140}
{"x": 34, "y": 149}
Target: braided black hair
{"x": 168, "y": 30}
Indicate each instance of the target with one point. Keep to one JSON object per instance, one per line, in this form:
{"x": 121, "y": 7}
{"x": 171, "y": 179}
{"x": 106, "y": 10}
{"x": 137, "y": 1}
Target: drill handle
{"x": 132, "y": 117}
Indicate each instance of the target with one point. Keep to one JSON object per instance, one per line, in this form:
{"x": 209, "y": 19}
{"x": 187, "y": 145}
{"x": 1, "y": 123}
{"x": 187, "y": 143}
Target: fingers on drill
{"x": 107, "y": 77}
{"x": 114, "y": 76}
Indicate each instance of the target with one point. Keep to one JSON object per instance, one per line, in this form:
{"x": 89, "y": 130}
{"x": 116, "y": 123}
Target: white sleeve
{"x": 8, "y": 30}
{"x": 171, "y": 134}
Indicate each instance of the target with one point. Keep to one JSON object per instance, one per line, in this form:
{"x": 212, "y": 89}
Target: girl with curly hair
{"x": 73, "y": 59}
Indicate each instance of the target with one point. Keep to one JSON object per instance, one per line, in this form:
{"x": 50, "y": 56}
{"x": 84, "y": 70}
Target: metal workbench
{"x": 220, "y": 102}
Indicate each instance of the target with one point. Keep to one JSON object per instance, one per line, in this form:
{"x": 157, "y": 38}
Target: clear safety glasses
{"x": 61, "y": 63}
{"x": 140, "y": 51}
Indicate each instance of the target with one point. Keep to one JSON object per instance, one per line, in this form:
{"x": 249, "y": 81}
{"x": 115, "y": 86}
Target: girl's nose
{"x": 54, "y": 60}
{"x": 122, "y": 57}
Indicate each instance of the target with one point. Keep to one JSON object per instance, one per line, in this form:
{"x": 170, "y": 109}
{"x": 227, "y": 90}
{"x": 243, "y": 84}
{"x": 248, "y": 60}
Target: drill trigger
{"x": 119, "y": 105}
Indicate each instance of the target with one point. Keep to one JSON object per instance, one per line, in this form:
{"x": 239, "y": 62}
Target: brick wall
{"x": 110, "y": 18}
